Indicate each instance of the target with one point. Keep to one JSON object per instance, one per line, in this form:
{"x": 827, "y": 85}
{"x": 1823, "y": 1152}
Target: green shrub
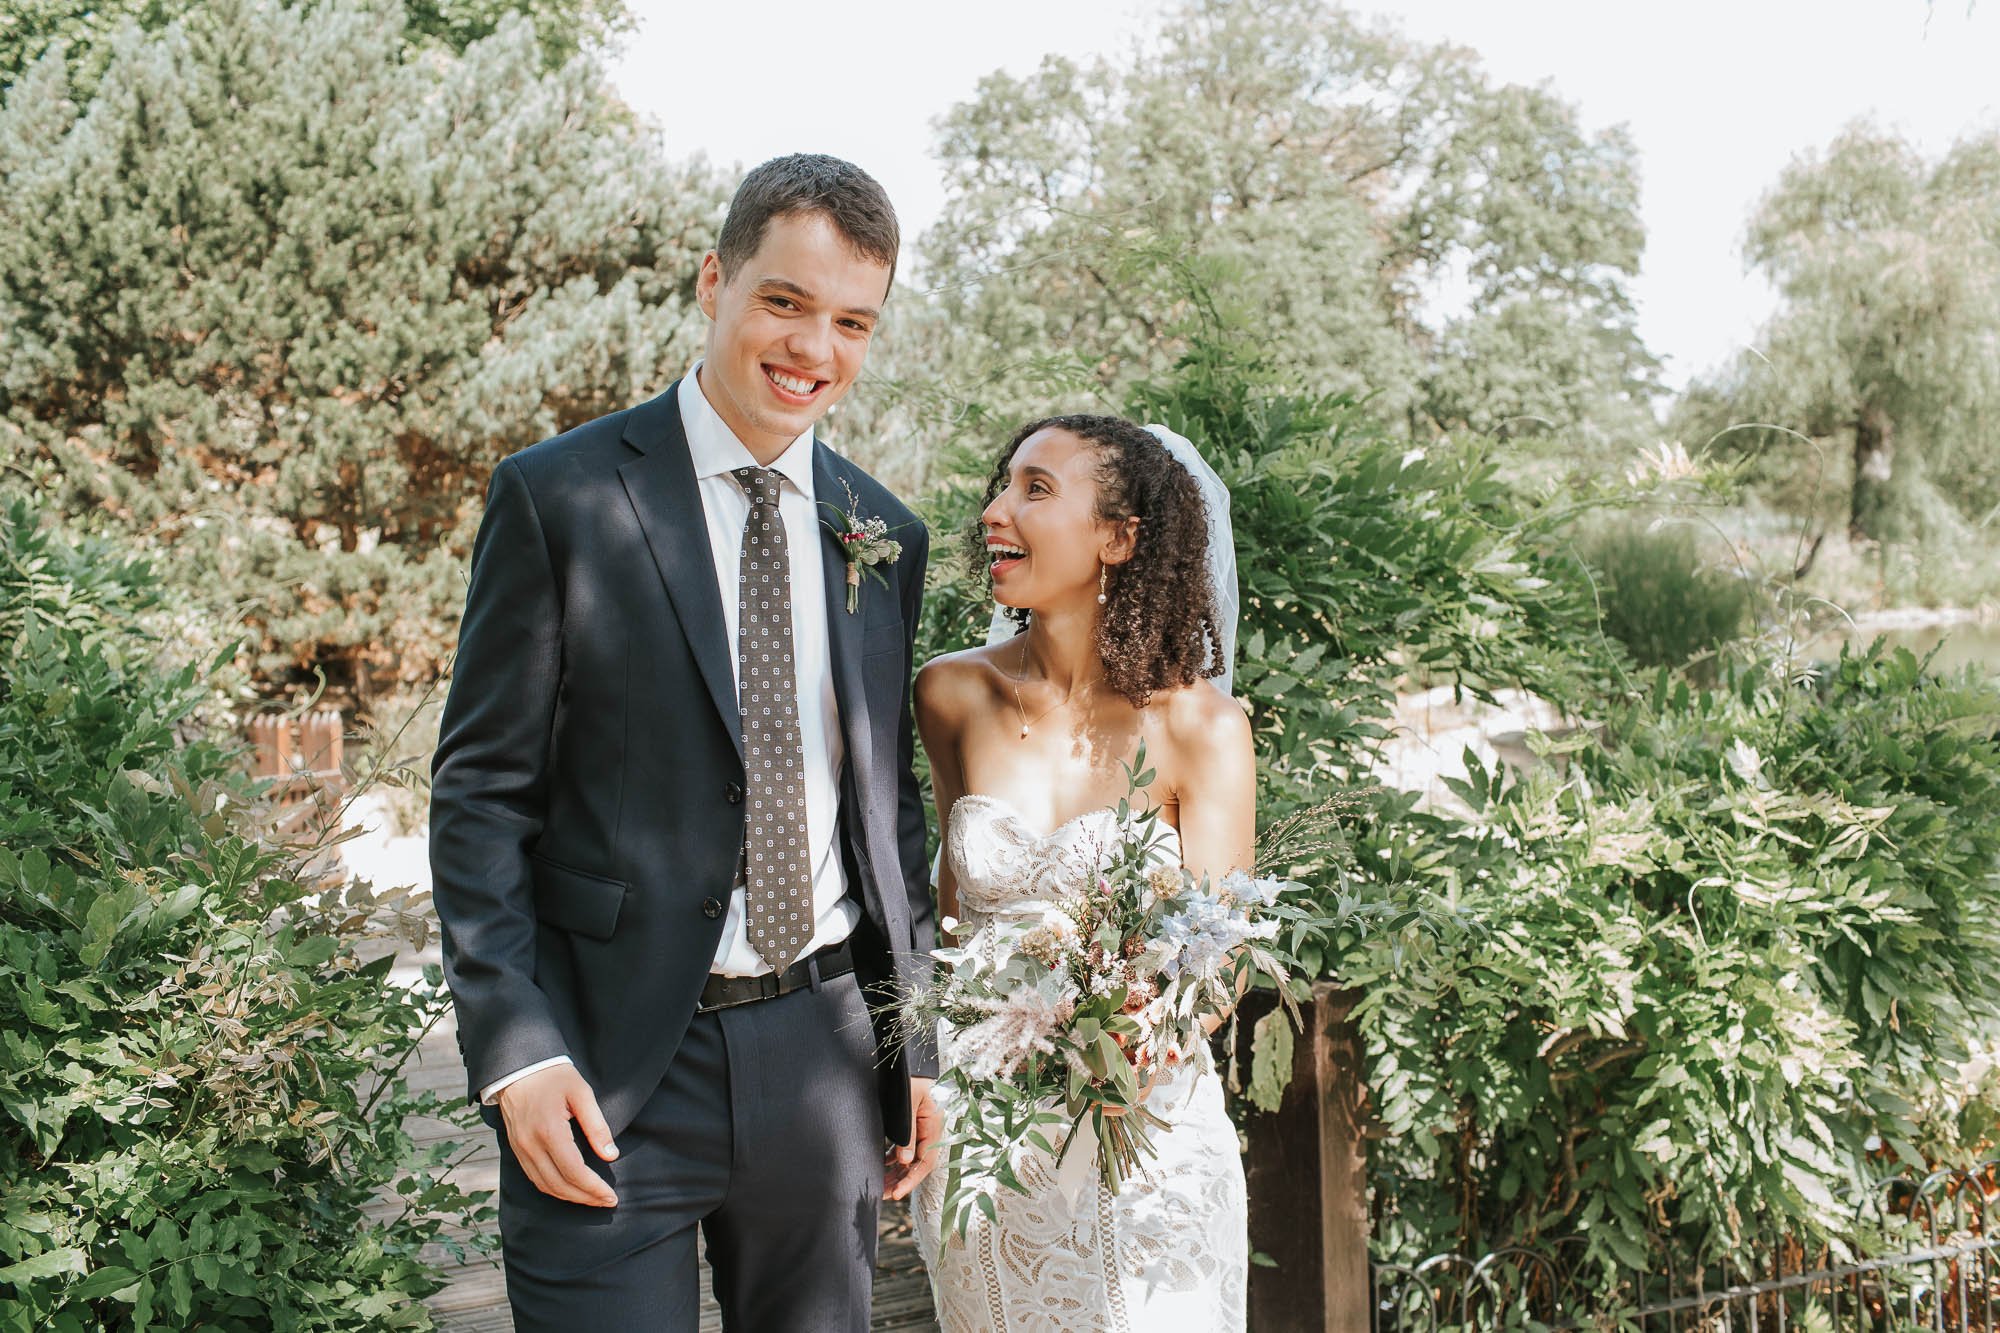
{"x": 198, "y": 1073}
{"x": 1660, "y": 599}
{"x": 1688, "y": 994}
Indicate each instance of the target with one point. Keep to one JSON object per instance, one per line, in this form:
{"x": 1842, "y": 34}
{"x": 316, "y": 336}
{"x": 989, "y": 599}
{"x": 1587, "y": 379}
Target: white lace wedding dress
{"x": 1170, "y": 1250}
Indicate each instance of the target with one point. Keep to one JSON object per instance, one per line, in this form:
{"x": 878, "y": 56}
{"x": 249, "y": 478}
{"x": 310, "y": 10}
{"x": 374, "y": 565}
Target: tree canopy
{"x": 1887, "y": 268}
{"x": 84, "y": 28}
{"x": 286, "y": 287}
{"x": 1337, "y": 181}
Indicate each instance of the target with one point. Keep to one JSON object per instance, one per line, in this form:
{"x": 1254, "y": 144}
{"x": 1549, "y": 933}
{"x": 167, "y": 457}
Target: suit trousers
{"x": 766, "y": 1135}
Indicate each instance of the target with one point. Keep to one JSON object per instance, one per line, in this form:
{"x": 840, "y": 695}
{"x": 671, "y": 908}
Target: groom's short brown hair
{"x": 810, "y": 183}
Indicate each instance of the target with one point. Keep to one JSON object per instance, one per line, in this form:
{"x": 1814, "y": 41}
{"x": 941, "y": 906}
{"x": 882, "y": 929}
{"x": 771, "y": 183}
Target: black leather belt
{"x": 836, "y": 960}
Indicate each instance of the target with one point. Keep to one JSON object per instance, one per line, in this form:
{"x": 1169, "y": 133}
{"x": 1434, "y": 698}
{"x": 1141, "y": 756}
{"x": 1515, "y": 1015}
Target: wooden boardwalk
{"x": 475, "y": 1301}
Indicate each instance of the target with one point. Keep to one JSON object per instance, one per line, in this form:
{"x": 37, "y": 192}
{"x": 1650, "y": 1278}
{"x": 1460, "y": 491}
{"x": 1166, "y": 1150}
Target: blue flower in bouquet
{"x": 1201, "y": 939}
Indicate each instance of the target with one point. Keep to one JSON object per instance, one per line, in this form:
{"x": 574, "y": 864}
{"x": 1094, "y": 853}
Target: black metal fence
{"x": 1920, "y": 1256}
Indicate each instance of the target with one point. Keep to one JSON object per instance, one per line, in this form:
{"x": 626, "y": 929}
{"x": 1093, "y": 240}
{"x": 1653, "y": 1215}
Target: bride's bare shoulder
{"x": 1202, "y": 724}
{"x": 952, "y": 685}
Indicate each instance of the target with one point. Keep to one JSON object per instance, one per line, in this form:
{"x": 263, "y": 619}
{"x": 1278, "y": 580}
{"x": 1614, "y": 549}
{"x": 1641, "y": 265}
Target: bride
{"x": 1114, "y": 562}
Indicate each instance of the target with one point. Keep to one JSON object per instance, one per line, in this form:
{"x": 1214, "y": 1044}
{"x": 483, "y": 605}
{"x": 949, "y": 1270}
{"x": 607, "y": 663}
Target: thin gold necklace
{"x": 1021, "y": 675}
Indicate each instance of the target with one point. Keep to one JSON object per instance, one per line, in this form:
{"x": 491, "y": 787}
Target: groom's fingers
{"x": 583, "y": 1105}
{"x": 573, "y": 1172}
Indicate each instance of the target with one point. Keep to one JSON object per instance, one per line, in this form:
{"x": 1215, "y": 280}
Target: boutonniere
{"x": 865, "y": 542}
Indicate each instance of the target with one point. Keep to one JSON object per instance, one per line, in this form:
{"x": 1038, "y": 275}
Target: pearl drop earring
{"x": 1103, "y": 573}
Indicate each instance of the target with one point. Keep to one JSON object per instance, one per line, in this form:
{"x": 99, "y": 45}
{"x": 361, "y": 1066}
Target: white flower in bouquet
{"x": 1116, "y": 976}
{"x": 1053, "y": 941}
{"x": 1020, "y": 1022}
{"x": 1246, "y": 888}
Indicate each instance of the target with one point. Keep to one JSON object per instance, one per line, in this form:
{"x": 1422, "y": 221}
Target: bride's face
{"x": 1043, "y": 534}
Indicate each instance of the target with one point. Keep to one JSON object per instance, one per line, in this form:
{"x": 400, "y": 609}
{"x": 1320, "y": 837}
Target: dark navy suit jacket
{"x": 586, "y": 804}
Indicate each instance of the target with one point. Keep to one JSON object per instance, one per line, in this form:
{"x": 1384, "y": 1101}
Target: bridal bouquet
{"x": 1062, "y": 1019}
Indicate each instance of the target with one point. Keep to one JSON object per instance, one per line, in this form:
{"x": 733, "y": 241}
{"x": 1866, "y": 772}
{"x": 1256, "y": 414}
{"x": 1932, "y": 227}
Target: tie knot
{"x": 759, "y": 483}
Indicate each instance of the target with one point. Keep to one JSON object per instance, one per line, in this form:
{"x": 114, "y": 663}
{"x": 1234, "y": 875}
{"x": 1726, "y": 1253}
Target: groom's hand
{"x": 909, "y": 1163}
{"x": 538, "y": 1110}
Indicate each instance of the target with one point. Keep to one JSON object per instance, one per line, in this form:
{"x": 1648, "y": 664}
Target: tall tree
{"x": 1887, "y": 267}
{"x": 1330, "y": 177}
{"x": 282, "y": 292}
{"x": 84, "y": 28}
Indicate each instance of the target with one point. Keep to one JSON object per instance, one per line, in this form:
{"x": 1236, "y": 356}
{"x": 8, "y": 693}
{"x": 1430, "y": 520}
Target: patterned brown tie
{"x": 777, "y": 872}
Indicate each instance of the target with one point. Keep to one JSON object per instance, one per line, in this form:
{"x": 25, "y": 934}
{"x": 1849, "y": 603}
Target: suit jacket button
{"x": 711, "y": 907}
{"x": 734, "y": 792}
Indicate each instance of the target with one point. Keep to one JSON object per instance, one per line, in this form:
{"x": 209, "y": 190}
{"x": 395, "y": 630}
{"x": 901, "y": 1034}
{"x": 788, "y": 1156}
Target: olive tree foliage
{"x": 1346, "y": 183}
{"x": 279, "y": 295}
{"x": 1887, "y": 267}
{"x": 28, "y": 28}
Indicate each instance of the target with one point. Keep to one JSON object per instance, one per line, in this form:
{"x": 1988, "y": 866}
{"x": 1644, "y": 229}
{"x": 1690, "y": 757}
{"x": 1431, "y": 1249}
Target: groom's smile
{"x": 789, "y": 329}
{"x": 793, "y": 386}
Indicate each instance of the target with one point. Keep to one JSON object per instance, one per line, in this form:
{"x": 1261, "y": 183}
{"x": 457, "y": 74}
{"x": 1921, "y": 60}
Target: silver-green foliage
{"x": 84, "y": 28}
{"x": 1697, "y": 987}
{"x": 281, "y": 292}
{"x": 201, "y": 1103}
{"x": 1339, "y": 174}
{"x": 1887, "y": 266}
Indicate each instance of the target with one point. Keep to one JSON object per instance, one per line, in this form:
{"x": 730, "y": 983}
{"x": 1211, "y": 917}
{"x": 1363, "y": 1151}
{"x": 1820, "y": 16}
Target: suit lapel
{"x": 843, "y": 628}
{"x": 661, "y": 485}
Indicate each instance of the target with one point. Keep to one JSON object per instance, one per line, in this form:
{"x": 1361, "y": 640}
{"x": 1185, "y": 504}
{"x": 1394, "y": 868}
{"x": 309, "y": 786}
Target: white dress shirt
{"x": 716, "y": 453}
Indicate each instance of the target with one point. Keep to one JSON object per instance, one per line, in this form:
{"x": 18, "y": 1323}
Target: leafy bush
{"x": 1660, "y": 599}
{"x": 1364, "y": 560}
{"x": 198, "y": 1071}
{"x": 1688, "y": 992}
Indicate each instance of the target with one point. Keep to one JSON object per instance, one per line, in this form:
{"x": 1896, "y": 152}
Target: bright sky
{"x": 1718, "y": 94}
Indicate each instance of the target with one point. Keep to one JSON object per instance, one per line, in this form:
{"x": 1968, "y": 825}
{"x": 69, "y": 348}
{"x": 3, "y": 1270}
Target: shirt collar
{"x": 716, "y": 451}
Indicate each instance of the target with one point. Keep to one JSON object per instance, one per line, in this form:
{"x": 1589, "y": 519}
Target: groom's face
{"x": 788, "y": 329}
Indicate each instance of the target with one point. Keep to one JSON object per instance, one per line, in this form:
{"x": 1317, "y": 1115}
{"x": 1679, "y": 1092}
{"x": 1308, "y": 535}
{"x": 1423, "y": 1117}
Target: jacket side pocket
{"x": 575, "y": 900}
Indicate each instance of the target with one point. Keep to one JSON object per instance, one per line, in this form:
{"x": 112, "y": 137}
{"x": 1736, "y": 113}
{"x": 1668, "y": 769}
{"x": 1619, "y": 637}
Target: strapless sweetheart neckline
{"x": 1011, "y": 811}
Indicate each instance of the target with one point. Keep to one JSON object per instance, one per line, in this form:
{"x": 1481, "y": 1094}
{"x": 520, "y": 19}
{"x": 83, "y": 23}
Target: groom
{"x": 677, "y": 845}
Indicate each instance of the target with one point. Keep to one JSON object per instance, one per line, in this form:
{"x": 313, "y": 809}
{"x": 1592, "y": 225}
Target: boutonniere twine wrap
{"x": 866, "y": 543}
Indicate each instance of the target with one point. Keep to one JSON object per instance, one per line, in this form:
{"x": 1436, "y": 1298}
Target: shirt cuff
{"x": 490, "y": 1094}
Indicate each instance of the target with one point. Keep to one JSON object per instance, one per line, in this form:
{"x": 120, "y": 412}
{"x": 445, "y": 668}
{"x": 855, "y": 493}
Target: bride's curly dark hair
{"x": 1158, "y": 629}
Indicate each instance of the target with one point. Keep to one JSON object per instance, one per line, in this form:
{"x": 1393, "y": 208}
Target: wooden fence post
{"x": 1307, "y": 1169}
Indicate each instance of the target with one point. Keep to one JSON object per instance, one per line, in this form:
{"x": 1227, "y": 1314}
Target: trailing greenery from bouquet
{"x": 1063, "y": 1020}
{"x": 201, "y": 1103}
{"x": 1676, "y": 995}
